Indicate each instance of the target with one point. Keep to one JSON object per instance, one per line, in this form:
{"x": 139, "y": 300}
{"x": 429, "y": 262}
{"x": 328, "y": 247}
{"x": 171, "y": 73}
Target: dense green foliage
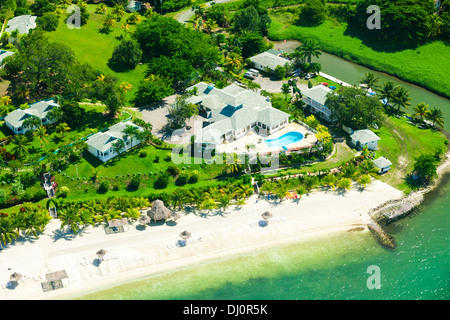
{"x": 126, "y": 55}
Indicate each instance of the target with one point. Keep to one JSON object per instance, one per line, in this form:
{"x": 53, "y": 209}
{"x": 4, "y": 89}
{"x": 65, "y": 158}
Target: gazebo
{"x": 55, "y": 280}
{"x": 15, "y": 277}
{"x": 185, "y": 234}
{"x": 266, "y": 215}
{"x": 117, "y": 225}
{"x": 159, "y": 211}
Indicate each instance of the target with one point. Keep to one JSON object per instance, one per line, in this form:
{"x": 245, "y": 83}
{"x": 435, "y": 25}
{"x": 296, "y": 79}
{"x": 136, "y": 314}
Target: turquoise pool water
{"x": 285, "y": 139}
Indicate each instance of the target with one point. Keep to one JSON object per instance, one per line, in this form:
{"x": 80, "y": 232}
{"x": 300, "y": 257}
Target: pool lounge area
{"x": 290, "y": 138}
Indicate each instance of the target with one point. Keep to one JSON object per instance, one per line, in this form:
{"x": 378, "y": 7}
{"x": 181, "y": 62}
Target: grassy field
{"x": 95, "y": 48}
{"x": 411, "y": 64}
{"x": 400, "y": 143}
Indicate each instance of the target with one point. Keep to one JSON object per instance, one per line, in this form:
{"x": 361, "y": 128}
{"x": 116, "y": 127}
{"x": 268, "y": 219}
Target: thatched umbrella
{"x": 185, "y": 234}
{"x": 144, "y": 219}
{"x": 159, "y": 211}
{"x": 15, "y": 277}
{"x": 100, "y": 253}
{"x": 266, "y": 215}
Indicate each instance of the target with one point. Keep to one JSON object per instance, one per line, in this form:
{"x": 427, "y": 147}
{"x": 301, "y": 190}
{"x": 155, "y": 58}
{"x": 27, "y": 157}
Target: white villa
{"x": 315, "y": 98}
{"x": 15, "y": 119}
{"x": 3, "y": 55}
{"x": 230, "y": 113}
{"x": 22, "y": 23}
{"x": 268, "y": 60}
{"x": 101, "y": 143}
{"x": 365, "y": 138}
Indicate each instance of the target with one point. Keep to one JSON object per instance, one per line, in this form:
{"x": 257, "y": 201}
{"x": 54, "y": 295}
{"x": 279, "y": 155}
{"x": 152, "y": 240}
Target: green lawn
{"x": 400, "y": 143}
{"x": 412, "y": 65}
{"x": 95, "y": 48}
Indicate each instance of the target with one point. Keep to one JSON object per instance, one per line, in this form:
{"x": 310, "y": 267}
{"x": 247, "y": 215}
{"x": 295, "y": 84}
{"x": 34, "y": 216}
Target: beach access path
{"x": 140, "y": 251}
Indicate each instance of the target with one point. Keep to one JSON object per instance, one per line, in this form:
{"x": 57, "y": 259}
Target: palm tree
{"x": 421, "y": 110}
{"x": 113, "y": 214}
{"x": 178, "y": 198}
{"x": 126, "y": 86}
{"x": 101, "y": 8}
{"x": 132, "y": 213}
{"x": 285, "y": 88}
{"x": 282, "y": 189}
{"x": 126, "y": 28}
{"x": 149, "y": 13}
{"x": 134, "y": 18}
{"x": 370, "y": 81}
{"x": 100, "y": 78}
{"x": 233, "y": 60}
{"x": 8, "y": 232}
{"x": 118, "y": 146}
{"x": 142, "y": 202}
{"x": 197, "y": 197}
{"x": 130, "y": 131}
{"x": 69, "y": 217}
{"x": 210, "y": 25}
{"x": 208, "y": 204}
{"x": 240, "y": 202}
{"x": 401, "y": 98}
{"x": 232, "y": 167}
{"x": 22, "y": 91}
{"x": 307, "y": 50}
{"x": 21, "y": 145}
{"x": 330, "y": 180}
{"x": 31, "y": 122}
{"x": 40, "y": 134}
{"x": 118, "y": 11}
{"x": 367, "y": 167}
{"x": 387, "y": 91}
{"x": 315, "y": 67}
{"x": 349, "y": 171}
{"x": 364, "y": 180}
{"x": 6, "y": 100}
{"x": 109, "y": 21}
{"x": 224, "y": 201}
{"x": 268, "y": 186}
{"x": 62, "y": 129}
{"x": 344, "y": 183}
{"x": 243, "y": 191}
{"x": 436, "y": 116}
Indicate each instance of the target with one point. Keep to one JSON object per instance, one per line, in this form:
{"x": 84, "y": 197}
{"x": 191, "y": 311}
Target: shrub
{"x": 142, "y": 154}
{"x": 134, "y": 183}
{"x": 162, "y": 181}
{"x": 195, "y": 175}
{"x": 173, "y": 170}
{"x": 182, "y": 179}
{"x": 64, "y": 191}
{"x": 156, "y": 160}
{"x": 104, "y": 186}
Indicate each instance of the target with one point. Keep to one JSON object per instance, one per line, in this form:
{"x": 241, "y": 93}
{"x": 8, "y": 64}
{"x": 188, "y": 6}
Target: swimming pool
{"x": 285, "y": 139}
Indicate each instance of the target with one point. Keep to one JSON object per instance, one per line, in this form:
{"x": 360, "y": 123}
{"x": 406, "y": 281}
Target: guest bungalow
{"x": 15, "y": 119}
{"x": 101, "y": 144}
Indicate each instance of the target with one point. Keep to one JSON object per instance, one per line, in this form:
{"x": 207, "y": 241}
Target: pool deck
{"x": 253, "y": 139}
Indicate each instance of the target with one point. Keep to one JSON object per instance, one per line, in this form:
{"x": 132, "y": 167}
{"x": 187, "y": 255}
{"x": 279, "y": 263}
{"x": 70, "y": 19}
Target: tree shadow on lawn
{"x": 369, "y": 39}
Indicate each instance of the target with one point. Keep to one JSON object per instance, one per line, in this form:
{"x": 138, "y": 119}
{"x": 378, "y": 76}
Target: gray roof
{"x": 22, "y": 23}
{"x": 382, "y": 162}
{"x": 233, "y": 108}
{"x": 4, "y": 54}
{"x": 317, "y": 93}
{"x": 364, "y": 136}
{"x": 269, "y": 60}
{"x": 57, "y": 275}
{"x": 103, "y": 141}
{"x": 38, "y": 109}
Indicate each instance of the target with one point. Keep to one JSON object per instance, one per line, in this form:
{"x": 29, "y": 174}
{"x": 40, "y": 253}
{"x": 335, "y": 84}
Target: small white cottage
{"x": 363, "y": 138}
{"x": 383, "y": 164}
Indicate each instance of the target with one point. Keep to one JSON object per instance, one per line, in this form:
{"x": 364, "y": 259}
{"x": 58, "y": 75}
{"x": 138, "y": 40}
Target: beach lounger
{"x": 35, "y": 278}
{"x": 3, "y": 286}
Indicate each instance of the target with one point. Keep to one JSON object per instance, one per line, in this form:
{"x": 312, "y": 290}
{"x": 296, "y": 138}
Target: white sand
{"x": 143, "y": 252}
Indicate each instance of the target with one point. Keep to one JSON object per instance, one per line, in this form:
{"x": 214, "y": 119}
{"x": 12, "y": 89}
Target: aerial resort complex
{"x": 190, "y": 149}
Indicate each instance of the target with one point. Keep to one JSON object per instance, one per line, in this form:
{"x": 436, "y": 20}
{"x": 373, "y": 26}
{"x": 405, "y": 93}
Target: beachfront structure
{"x": 133, "y": 6}
{"x": 365, "y": 138}
{"x": 268, "y": 61}
{"x": 15, "y": 119}
{"x": 229, "y": 113}
{"x": 315, "y": 98}
{"x": 22, "y": 23}
{"x": 3, "y": 55}
{"x": 101, "y": 144}
{"x": 383, "y": 164}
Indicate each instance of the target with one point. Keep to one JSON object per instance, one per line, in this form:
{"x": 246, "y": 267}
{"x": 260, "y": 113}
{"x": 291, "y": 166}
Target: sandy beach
{"x": 144, "y": 251}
